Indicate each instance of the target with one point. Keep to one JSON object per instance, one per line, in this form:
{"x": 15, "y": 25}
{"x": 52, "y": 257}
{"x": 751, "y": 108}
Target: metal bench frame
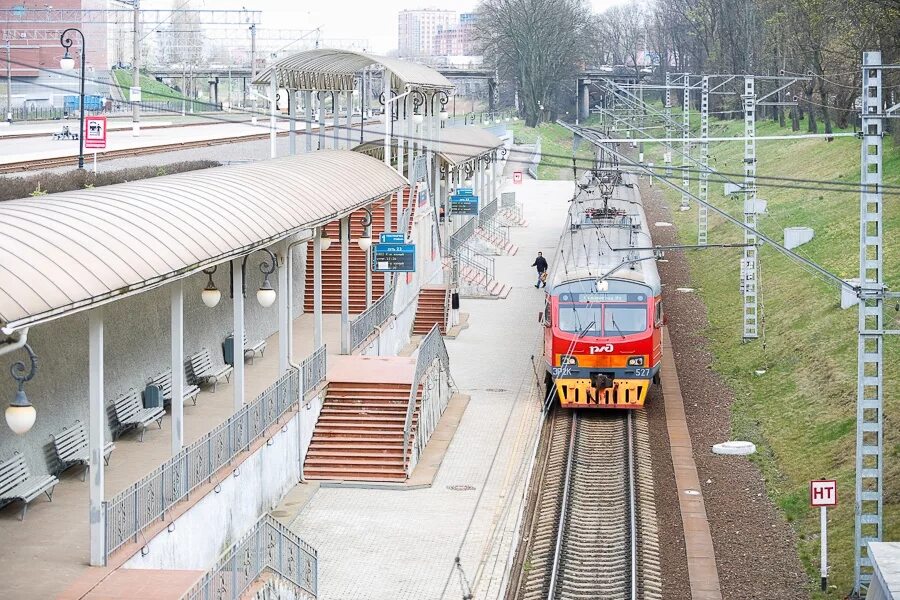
{"x": 202, "y": 370}
{"x": 130, "y": 412}
{"x": 251, "y": 350}
{"x": 72, "y": 448}
{"x": 17, "y": 483}
{"x": 163, "y": 380}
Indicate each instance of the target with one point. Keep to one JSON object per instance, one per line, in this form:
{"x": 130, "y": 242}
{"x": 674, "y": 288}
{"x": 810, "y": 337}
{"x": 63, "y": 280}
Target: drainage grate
{"x": 496, "y": 390}
{"x": 461, "y": 488}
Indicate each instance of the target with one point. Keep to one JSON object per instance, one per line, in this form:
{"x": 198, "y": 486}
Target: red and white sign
{"x": 823, "y": 492}
{"x": 517, "y": 177}
{"x": 95, "y": 132}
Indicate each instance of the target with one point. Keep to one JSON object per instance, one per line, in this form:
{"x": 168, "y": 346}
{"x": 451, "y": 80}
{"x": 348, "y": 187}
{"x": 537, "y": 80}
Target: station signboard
{"x": 392, "y": 238}
{"x": 823, "y": 492}
{"x": 394, "y": 258}
{"x": 517, "y": 177}
{"x": 94, "y": 132}
{"x": 464, "y": 204}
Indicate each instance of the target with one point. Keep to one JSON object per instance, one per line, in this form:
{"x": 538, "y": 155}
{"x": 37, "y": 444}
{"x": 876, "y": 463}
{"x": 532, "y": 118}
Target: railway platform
{"x": 370, "y": 537}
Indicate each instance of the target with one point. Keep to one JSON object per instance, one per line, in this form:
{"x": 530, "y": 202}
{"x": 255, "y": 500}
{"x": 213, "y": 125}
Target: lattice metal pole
{"x": 870, "y": 347}
{"x": 750, "y": 264}
{"x": 685, "y": 144}
{"x": 702, "y": 211}
{"x": 669, "y": 122}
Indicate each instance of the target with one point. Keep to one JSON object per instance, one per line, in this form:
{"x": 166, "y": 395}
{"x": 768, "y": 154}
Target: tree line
{"x": 541, "y": 45}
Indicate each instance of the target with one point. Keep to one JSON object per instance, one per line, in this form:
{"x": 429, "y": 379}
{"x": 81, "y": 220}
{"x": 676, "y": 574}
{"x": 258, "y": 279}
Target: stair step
{"x": 368, "y": 462}
{"x": 382, "y": 478}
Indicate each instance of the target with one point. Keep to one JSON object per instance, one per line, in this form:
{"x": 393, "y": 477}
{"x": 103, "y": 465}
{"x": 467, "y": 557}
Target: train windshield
{"x": 623, "y": 319}
{"x": 578, "y": 318}
{"x": 615, "y": 319}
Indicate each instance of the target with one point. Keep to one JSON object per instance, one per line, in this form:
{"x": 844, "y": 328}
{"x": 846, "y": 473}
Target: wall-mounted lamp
{"x": 266, "y": 294}
{"x": 325, "y": 241}
{"x": 210, "y": 294}
{"x": 20, "y": 414}
{"x": 365, "y": 241}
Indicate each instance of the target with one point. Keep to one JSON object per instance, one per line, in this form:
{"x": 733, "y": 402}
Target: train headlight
{"x": 636, "y": 361}
{"x": 569, "y": 361}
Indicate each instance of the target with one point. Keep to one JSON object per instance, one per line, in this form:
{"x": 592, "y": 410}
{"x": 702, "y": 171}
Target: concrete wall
{"x": 260, "y": 483}
{"x": 136, "y": 346}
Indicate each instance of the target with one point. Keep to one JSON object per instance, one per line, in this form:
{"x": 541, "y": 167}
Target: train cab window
{"x": 659, "y": 314}
{"x": 548, "y": 314}
{"x": 576, "y": 318}
{"x": 623, "y": 319}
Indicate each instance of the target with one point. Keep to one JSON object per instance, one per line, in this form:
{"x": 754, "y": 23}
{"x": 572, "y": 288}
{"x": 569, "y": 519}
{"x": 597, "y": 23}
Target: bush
{"x": 51, "y": 183}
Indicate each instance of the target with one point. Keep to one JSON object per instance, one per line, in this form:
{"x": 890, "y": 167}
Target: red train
{"x": 603, "y": 316}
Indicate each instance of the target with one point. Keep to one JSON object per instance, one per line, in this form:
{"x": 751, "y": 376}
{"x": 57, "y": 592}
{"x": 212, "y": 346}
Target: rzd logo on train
{"x": 601, "y": 349}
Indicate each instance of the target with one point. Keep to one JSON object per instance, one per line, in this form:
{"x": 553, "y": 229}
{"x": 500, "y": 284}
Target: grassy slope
{"x": 151, "y": 89}
{"x": 801, "y": 413}
{"x": 556, "y": 146}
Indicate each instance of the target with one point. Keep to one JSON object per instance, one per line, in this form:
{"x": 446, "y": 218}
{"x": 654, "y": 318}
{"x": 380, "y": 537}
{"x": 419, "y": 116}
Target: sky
{"x": 375, "y": 21}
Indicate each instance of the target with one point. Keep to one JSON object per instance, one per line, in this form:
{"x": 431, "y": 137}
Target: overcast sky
{"x": 373, "y": 20}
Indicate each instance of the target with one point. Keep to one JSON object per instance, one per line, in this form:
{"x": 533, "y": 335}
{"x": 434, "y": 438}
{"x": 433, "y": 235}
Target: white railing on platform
{"x": 431, "y": 357}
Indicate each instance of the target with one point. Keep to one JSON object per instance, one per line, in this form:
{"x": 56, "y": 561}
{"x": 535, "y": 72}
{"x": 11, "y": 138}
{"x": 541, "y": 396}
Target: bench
{"x": 71, "y": 446}
{"x": 251, "y": 350}
{"x": 202, "y": 371}
{"x": 17, "y": 483}
{"x": 130, "y": 412}
{"x": 65, "y": 134}
{"x": 163, "y": 381}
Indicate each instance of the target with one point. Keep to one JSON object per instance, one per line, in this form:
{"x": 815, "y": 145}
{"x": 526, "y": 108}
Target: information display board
{"x": 94, "y": 132}
{"x": 464, "y": 205}
{"x": 394, "y": 258}
{"x": 391, "y": 237}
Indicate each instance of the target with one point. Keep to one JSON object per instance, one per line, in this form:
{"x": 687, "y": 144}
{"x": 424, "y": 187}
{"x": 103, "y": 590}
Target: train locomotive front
{"x": 603, "y": 314}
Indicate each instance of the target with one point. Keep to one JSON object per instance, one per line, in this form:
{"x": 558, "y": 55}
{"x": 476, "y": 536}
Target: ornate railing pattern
{"x": 136, "y": 507}
{"x": 313, "y": 369}
{"x": 365, "y": 323}
{"x": 459, "y": 237}
{"x": 268, "y": 546}
{"x": 431, "y": 350}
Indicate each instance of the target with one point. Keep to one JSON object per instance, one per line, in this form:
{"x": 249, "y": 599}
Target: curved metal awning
{"x": 456, "y": 146}
{"x": 334, "y": 70}
{"x": 68, "y": 252}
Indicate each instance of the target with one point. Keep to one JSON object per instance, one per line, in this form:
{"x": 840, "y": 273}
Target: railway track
{"x": 593, "y": 532}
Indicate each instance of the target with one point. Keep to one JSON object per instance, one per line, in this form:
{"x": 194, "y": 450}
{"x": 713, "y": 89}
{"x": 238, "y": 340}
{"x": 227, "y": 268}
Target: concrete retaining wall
{"x": 136, "y": 346}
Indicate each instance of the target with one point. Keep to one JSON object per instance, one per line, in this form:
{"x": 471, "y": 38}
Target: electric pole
{"x": 253, "y": 69}
{"x": 135, "y": 95}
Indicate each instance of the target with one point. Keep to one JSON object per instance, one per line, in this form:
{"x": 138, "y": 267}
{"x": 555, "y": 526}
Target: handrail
{"x": 535, "y": 158}
{"x": 268, "y": 545}
{"x": 459, "y": 237}
{"x": 313, "y": 370}
{"x": 431, "y": 348}
{"x": 365, "y": 322}
{"x": 148, "y": 499}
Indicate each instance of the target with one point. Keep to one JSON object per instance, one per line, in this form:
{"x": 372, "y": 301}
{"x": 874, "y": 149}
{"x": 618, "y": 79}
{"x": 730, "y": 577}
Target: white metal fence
{"x": 431, "y": 359}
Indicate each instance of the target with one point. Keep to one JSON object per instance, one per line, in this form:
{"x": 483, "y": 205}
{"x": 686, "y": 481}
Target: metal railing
{"x": 482, "y": 263}
{"x": 365, "y": 323}
{"x": 459, "y": 237}
{"x": 54, "y": 113}
{"x": 269, "y": 545}
{"x": 431, "y": 350}
{"x": 142, "y": 503}
{"x": 313, "y": 369}
{"x": 535, "y": 158}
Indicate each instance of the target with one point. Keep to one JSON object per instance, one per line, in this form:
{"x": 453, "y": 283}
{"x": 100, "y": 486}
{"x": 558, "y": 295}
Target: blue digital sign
{"x": 464, "y": 205}
{"x": 392, "y": 238}
{"x": 394, "y": 258}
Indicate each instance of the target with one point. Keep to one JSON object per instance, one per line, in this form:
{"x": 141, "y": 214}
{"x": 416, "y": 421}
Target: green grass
{"x": 151, "y": 89}
{"x": 556, "y": 147}
{"x": 801, "y": 412}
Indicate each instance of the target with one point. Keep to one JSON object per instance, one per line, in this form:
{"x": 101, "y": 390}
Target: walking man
{"x": 541, "y": 263}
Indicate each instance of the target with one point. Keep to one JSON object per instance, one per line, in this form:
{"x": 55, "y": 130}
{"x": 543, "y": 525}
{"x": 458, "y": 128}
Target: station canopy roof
{"x": 67, "y": 252}
{"x": 455, "y": 146}
{"x": 334, "y": 70}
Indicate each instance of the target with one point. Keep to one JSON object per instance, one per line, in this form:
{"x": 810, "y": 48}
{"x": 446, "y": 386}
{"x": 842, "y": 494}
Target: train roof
{"x": 599, "y": 235}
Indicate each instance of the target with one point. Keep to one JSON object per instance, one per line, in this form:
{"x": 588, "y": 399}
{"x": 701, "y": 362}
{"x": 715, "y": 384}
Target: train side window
{"x": 548, "y": 320}
{"x": 658, "y": 319}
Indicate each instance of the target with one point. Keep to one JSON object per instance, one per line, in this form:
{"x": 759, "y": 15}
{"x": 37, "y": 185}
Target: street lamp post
{"x": 67, "y": 63}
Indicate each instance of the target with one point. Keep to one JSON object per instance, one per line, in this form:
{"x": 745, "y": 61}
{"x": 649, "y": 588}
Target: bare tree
{"x": 538, "y": 44}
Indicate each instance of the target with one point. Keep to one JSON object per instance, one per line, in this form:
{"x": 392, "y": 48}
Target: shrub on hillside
{"x": 50, "y": 183}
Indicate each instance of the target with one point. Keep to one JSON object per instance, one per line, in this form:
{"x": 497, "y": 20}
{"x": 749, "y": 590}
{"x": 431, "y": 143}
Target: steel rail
{"x": 632, "y": 514}
{"x": 557, "y": 551}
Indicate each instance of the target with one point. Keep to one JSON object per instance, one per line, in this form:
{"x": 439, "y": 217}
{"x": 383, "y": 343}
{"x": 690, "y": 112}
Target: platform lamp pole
{"x": 8, "y": 82}
{"x": 68, "y": 63}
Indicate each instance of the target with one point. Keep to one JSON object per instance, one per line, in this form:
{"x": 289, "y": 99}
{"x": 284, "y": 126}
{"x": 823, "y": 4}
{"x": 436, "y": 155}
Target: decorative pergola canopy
{"x": 456, "y": 145}
{"x": 335, "y": 70}
{"x": 64, "y": 253}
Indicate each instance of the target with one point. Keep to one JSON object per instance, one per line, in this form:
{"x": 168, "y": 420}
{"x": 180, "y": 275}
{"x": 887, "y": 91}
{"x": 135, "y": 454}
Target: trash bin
{"x": 228, "y": 350}
{"x": 152, "y": 397}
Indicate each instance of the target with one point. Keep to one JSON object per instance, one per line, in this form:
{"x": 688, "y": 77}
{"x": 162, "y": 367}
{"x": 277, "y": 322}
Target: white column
{"x": 349, "y": 132}
{"x": 336, "y": 120}
{"x": 97, "y": 436}
{"x": 321, "y": 121}
{"x": 177, "y": 339}
{"x": 284, "y": 309}
{"x": 292, "y": 121}
{"x": 317, "y": 288}
{"x": 345, "y": 285}
{"x": 273, "y": 89}
{"x": 237, "y": 281}
{"x": 307, "y": 107}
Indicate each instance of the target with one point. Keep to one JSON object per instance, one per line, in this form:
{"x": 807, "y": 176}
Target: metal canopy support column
{"x": 237, "y": 284}
{"x": 177, "y": 323}
{"x": 345, "y": 285}
{"x": 321, "y": 110}
{"x": 96, "y": 436}
{"x": 317, "y": 288}
{"x": 702, "y": 210}
{"x": 668, "y": 121}
{"x": 284, "y": 311}
{"x": 750, "y": 261}
{"x": 273, "y": 106}
{"x": 686, "y": 145}
{"x": 870, "y": 346}
{"x": 292, "y": 120}
{"x": 307, "y": 106}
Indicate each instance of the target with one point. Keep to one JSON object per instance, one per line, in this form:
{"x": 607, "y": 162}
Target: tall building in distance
{"x": 417, "y": 30}
{"x": 458, "y": 39}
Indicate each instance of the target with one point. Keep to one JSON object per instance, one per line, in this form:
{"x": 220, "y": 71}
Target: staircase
{"x": 331, "y": 263}
{"x": 430, "y": 310}
{"x": 486, "y": 286}
{"x": 497, "y": 241}
{"x": 512, "y": 217}
{"x": 359, "y": 435}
